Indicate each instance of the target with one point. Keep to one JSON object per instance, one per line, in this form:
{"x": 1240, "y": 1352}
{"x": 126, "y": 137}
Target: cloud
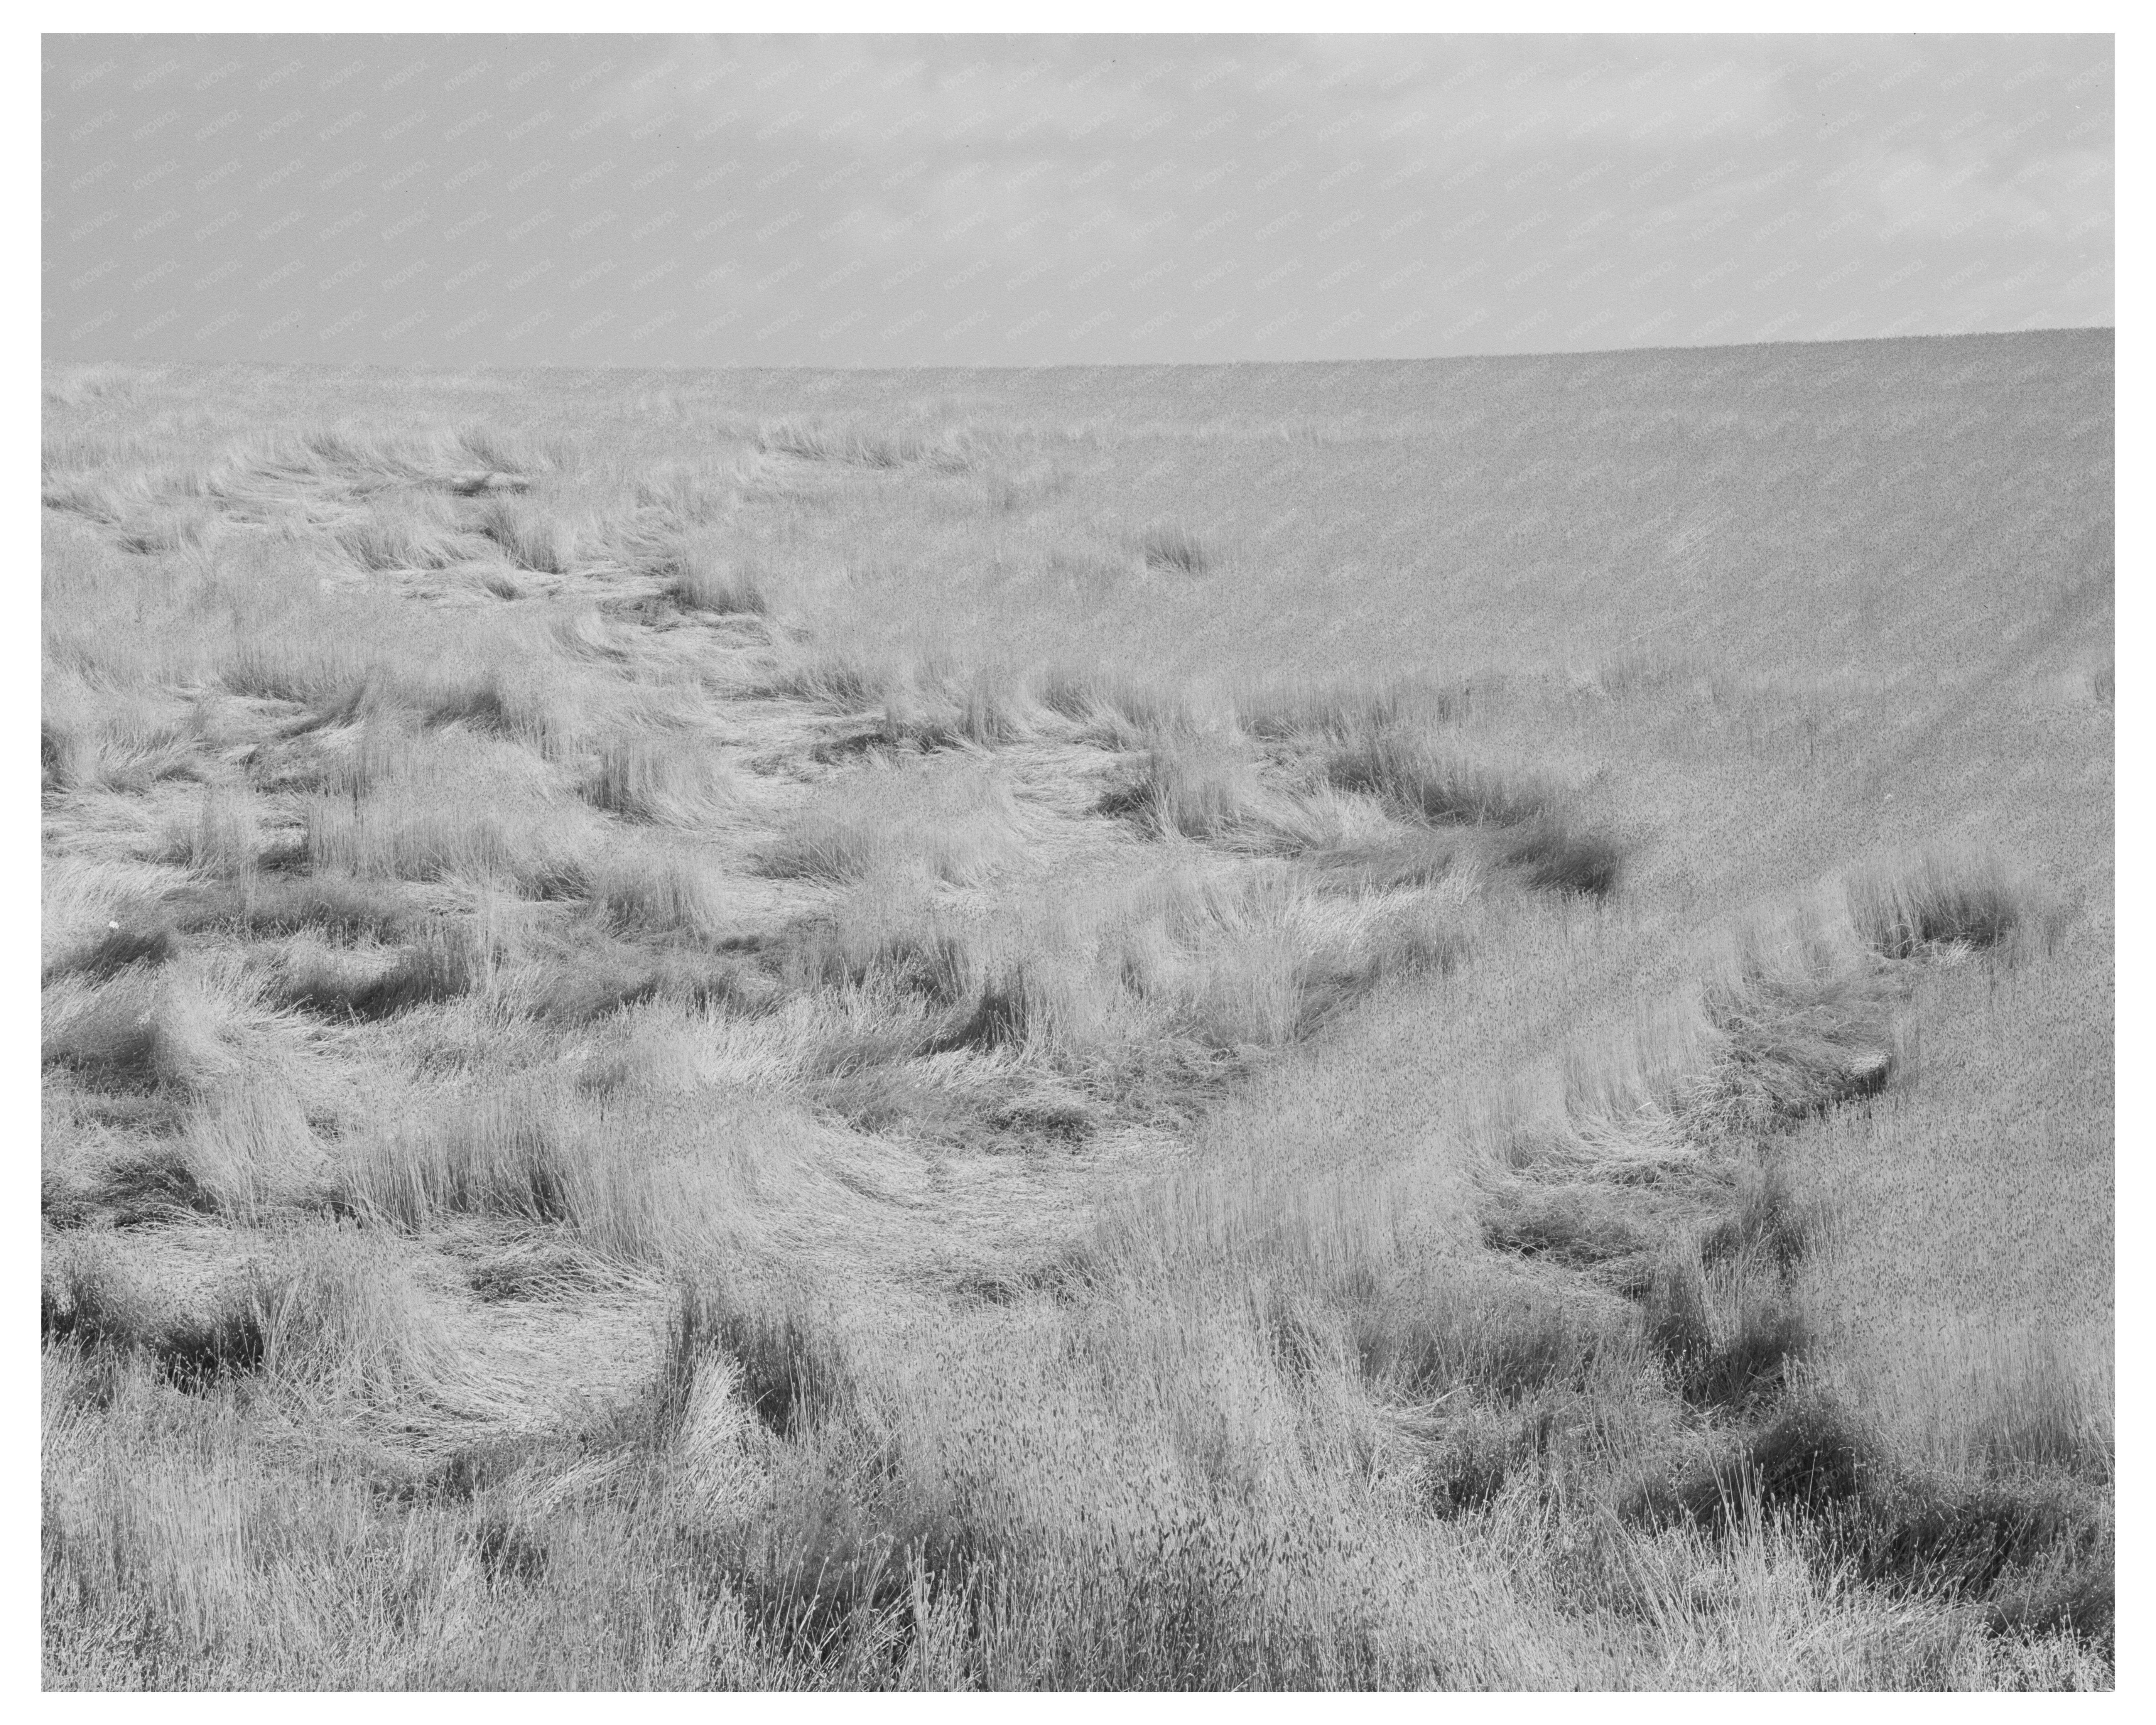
{"x": 977, "y": 153}
{"x": 888, "y": 96}
{"x": 872, "y": 200}
{"x": 961, "y": 150}
{"x": 1480, "y": 96}
{"x": 1917, "y": 193}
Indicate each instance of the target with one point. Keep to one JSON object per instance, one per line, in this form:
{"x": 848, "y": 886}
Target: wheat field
{"x": 1363, "y": 1026}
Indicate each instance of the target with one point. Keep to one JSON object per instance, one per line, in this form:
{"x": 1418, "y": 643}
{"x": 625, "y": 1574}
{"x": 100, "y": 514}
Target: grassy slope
{"x": 1282, "y": 1239}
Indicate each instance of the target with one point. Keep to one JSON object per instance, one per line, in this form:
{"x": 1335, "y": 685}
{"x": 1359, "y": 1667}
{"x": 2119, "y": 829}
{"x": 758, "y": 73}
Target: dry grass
{"x": 861, "y": 448}
{"x": 699, "y": 577}
{"x": 470, "y": 807}
{"x": 1204, "y": 788}
{"x": 715, "y": 1048}
{"x": 664, "y": 889}
{"x": 675, "y": 781}
{"x": 416, "y": 534}
{"x": 955, "y": 822}
{"x": 501, "y": 1156}
{"x": 1176, "y": 550}
{"x": 147, "y": 1028}
{"x": 1963, "y": 1359}
{"x": 447, "y": 959}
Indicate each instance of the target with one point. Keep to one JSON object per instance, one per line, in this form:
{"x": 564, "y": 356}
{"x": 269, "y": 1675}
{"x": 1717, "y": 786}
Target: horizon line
{"x": 428, "y": 367}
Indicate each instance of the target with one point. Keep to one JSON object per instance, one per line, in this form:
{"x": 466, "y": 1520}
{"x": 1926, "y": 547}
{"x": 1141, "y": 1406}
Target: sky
{"x": 1034, "y": 200}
